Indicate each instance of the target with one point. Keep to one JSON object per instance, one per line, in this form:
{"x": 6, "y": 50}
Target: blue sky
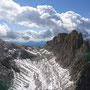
{"x": 81, "y": 7}
{"x": 37, "y": 20}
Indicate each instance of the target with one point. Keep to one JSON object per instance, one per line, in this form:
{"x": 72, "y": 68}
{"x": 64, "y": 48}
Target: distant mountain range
{"x": 33, "y": 43}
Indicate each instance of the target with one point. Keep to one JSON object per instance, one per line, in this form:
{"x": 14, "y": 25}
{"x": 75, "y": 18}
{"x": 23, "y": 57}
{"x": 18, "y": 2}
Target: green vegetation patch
{"x": 85, "y": 56}
{"x": 4, "y": 86}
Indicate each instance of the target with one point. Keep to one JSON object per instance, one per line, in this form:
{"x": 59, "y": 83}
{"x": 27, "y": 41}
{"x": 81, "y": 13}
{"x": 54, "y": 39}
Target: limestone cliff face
{"x": 73, "y": 52}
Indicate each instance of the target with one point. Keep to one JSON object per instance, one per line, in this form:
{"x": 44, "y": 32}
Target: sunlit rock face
{"x": 42, "y": 73}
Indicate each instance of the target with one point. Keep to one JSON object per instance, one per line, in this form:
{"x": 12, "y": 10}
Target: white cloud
{"x": 6, "y": 33}
{"x": 4, "y": 29}
{"x": 8, "y": 10}
{"x": 42, "y": 16}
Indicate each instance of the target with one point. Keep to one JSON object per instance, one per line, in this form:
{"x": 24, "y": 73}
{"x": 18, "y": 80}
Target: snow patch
{"x": 43, "y": 74}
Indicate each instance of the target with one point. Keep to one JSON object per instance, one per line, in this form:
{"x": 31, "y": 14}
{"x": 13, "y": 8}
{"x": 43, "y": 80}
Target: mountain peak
{"x": 72, "y": 40}
{"x": 74, "y": 32}
{"x": 67, "y": 48}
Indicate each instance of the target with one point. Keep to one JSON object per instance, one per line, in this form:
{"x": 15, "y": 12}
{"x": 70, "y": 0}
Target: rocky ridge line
{"x": 73, "y": 53}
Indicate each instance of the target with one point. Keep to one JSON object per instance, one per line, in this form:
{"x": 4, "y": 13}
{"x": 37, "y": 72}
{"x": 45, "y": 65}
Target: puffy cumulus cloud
{"x": 3, "y": 29}
{"x": 6, "y": 33}
{"x": 44, "y": 34}
{"x": 9, "y": 9}
{"x": 72, "y": 20}
{"x": 42, "y": 16}
{"x": 26, "y": 35}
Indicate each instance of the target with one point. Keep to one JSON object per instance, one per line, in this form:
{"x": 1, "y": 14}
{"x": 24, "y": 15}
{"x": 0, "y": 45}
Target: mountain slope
{"x": 73, "y": 53}
{"x": 28, "y": 68}
{"x": 45, "y": 74}
{"x": 63, "y": 64}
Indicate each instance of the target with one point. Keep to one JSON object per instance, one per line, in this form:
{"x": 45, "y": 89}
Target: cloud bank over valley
{"x": 44, "y": 18}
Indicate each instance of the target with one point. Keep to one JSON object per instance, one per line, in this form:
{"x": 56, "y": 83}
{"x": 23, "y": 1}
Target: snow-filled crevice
{"x": 44, "y": 74}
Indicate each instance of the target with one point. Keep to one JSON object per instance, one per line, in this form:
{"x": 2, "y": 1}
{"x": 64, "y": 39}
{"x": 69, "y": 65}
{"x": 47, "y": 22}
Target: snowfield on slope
{"x": 44, "y": 73}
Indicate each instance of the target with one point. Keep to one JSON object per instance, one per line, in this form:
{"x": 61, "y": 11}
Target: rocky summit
{"x": 73, "y": 53}
{"x": 63, "y": 64}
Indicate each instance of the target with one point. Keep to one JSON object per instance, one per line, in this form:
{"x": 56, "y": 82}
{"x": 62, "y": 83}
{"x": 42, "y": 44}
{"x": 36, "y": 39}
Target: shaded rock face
{"x": 84, "y": 81}
{"x": 70, "y": 50}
